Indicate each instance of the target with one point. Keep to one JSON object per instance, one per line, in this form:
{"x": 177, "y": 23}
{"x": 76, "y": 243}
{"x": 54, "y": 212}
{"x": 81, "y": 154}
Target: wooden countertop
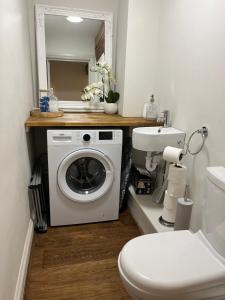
{"x": 89, "y": 119}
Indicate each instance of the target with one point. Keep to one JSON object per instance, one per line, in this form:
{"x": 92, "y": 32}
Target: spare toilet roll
{"x": 169, "y": 208}
{"x": 177, "y": 173}
{"x": 172, "y": 154}
{"x": 183, "y": 214}
{"x": 177, "y": 179}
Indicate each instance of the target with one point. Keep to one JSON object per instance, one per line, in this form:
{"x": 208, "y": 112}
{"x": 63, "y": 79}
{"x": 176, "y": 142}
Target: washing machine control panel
{"x": 85, "y": 137}
{"x": 99, "y": 137}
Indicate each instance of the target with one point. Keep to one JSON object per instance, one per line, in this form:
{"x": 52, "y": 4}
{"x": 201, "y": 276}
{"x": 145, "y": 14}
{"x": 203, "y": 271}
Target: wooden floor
{"x": 79, "y": 262}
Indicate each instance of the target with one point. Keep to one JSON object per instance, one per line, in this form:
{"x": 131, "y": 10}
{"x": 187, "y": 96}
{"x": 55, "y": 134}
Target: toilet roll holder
{"x": 204, "y": 133}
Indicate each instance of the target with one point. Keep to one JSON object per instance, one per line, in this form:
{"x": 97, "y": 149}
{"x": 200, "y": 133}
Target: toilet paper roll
{"x": 183, "y": 214}
{"x": 169, "y": 208}
{"x": 168, "y": 215}
{"x": 170, "y": 202}
{"x": 177, "y": 173}
{"x": 177, "y": 189}
{"x": 172, "y": 154}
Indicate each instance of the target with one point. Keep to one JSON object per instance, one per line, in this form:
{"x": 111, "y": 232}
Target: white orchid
{"x": 93, "y": 85}
{"x": 99, "y": 89}
{"x": 98, "y": 84}
{"x": 92, "y": 91}
{"x": 85, "y": 97}
{"x": 94, "y": 69}
{"x": 104, "y": 65}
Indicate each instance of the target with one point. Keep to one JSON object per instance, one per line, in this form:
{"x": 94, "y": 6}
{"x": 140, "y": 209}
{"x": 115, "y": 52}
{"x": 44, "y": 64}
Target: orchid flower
{"x": 99, "y": 89}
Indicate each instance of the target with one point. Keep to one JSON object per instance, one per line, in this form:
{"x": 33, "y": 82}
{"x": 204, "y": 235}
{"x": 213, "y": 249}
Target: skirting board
{"x": 20, "y": 285}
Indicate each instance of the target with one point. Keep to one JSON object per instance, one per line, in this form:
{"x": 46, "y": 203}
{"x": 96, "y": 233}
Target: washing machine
{"x": 84, "y": 175}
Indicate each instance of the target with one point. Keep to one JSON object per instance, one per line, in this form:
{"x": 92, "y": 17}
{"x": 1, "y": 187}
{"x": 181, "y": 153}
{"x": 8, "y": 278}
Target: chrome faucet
{"x": 166, "y": 117}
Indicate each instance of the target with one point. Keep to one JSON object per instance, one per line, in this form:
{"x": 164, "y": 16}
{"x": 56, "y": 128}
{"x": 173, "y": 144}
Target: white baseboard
{"x": 20, "y": 285}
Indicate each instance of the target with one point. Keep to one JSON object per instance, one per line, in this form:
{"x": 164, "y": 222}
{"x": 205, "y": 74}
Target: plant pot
{"x": 110, "y": 108}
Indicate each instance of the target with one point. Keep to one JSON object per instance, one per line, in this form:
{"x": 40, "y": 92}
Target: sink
{"x": 157, "y": 138}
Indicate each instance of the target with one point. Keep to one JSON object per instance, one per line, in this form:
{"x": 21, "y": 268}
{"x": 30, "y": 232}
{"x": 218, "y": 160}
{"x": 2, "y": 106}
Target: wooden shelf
{"x": 89, "y": 119}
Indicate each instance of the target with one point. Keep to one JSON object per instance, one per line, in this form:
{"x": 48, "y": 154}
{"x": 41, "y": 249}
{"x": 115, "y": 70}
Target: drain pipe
{"x": 152, "y": 160}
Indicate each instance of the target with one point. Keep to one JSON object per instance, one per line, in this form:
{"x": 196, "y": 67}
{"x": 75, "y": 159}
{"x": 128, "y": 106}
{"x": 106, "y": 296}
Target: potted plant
{"x": 110, "y": 104}
{"x": 102, "y": 91}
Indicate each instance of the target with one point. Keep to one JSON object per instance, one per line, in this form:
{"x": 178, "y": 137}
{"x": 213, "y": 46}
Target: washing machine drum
{"x": 85, "y": 175}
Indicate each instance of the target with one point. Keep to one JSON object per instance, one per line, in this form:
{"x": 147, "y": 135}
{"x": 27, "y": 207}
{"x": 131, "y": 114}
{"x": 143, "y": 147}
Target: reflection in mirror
{"x": 75, "y": 77}
{"x": 71, "y": 49}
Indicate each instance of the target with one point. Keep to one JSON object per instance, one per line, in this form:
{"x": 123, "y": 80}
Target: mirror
{"x": 69, "y": 42}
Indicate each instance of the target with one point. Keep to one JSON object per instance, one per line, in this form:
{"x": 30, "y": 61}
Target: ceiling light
{"x": 74, "y": 19}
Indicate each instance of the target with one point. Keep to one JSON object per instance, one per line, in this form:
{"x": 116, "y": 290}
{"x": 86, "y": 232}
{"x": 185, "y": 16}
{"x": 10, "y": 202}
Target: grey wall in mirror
{"x": 71, "y": 49}
{"x": 66, "y": 49}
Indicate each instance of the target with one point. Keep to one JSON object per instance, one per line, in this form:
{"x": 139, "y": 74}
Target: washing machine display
{"x": 84, "y": 175}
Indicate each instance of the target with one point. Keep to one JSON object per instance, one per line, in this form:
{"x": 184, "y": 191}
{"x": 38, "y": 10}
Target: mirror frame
{"x": 40, "y": 12}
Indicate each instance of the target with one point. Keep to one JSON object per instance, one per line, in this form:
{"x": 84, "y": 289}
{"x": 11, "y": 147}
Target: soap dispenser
{"x": 152, "y": 109}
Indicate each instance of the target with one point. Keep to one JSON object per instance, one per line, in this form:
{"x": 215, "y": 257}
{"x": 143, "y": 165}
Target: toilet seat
{"x": 171, "y": 263}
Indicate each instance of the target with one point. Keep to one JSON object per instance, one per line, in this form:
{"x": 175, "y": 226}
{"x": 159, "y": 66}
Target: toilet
{"x": 181, "y": 265}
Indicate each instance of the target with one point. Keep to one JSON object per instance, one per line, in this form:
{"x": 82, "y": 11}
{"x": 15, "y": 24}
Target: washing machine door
{"x": 85, "y": 175}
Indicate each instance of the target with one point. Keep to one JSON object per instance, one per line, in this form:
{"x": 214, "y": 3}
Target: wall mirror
{"x": 69, "y": 42}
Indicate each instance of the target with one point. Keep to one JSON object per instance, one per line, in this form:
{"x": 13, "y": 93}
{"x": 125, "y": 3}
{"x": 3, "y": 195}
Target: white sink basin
{"x": 157, "y": 138}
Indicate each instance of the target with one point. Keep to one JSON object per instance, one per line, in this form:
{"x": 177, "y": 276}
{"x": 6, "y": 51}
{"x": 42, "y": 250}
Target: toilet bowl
{"x": 181, "y": 265}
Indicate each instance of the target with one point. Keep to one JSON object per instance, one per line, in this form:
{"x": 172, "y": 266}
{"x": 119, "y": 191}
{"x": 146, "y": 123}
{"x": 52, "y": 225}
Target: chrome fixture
{"x": 203, "y": 131}
{"x": 166, "y": 116}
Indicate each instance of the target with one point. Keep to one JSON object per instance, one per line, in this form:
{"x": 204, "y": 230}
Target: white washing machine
{"x": 84, "y": 175}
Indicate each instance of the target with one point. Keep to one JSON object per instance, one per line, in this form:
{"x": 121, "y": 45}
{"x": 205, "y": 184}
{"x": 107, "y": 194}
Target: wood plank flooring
{"x": 79, "y": 262}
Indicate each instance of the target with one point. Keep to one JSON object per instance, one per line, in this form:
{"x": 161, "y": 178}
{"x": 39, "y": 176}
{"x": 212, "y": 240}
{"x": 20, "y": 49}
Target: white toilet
{"x": 181, "y": 265}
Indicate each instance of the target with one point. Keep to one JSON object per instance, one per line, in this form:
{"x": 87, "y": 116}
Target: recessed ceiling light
{"x": 74, "y": 19}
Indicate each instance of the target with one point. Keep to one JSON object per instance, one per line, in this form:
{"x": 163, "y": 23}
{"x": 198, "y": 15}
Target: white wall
{"x": 175, "y": 49}
{"x": 137, "y": 59}
{"x": 191, "y": 80}
{"x": 99, "y": 5}
{"x": 121, "y": 50}
{"x": 16, "y": 98}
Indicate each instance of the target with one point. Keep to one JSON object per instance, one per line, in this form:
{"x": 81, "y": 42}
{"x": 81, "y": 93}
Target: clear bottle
{"x": 53, "y": 102}
{"x": 152, "y": 109}
{"x": 145, "y": 110}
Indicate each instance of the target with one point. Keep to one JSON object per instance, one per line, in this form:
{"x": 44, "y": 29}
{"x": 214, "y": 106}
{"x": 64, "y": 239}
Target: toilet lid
{"x": 170, "y": 262}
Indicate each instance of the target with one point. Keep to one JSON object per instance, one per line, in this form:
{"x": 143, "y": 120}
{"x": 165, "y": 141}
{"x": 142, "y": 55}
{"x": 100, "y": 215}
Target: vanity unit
{"x": 147, "y": 210}
{"x": 89, "y": 120}
{"x": 38, "y": 126}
